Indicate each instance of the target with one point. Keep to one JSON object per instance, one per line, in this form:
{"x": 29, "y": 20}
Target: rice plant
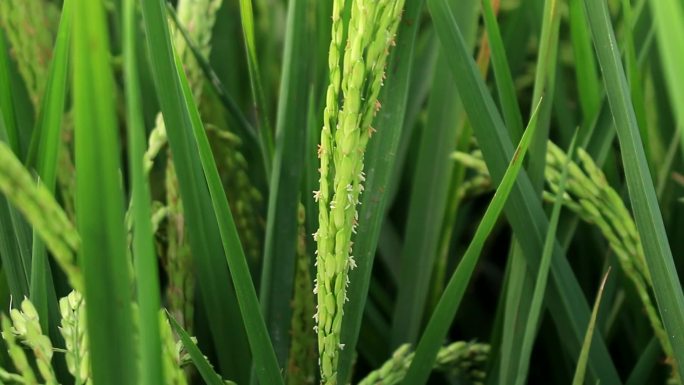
{"x": 341, "y": 192}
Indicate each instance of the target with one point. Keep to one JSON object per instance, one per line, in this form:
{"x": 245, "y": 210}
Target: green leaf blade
{"x": 666, "y": 284}
{"x": 99, "y": 203}
{"x": 444, "y": 313}
{"x": 145, "y": 258}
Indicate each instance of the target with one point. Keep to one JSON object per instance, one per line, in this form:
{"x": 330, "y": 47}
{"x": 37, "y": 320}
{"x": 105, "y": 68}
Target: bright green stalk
{"x": 147, "y": 274}
{"x": 380, "y": 161}
{"x": 99, "y": 202}
{"x": 371, "y": 32}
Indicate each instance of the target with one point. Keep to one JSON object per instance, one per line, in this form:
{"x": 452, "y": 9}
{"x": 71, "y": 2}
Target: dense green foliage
{"x": 341, "y": 191}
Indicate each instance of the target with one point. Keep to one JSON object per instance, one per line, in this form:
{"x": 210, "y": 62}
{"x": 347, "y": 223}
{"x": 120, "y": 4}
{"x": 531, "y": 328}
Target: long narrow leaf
{"x": 278, "y": 265}
{"x": 502, "y": 74}
{"x": 666, "y": 285}
{"x": 146, "y": 271}
{"x": 12, "y": 253}
{"x": 669, "y": 23}
{"x": 212, "y": 78}
{"x": 6, "y": 97}
{"x": 260, "y": 107}
{"x": 542, "y": 277}
{"x": 566, "y": 302}
{"x": 586, "y": 346}
{"x": 444, "y": 313}
{"x": 99, "y": 202}
{"x": 265, "y": 361}
{"x": 214, "y": 280}
{"x": 46, "y": 140}
{"x": 429, "y": 195}
{"x": 588, "y": 82}
{"x": 203, "y": 366}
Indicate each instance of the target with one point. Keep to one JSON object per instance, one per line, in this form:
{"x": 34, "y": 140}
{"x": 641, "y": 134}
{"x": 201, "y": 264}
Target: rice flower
{"x": 346, "y": 131}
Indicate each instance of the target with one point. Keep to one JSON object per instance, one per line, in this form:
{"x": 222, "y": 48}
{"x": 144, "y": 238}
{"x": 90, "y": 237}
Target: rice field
{"x": 341, "y": 192}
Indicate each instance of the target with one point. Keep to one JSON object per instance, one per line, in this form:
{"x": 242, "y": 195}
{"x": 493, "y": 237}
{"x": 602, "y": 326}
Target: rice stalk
{"x": 344, "y": 137}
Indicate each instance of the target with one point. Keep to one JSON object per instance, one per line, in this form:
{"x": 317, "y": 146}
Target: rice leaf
{"x": 669, "y": 24}
{"x": 666, "y": 285}
{"x": 566, "y": 302}
{"x": 429, "y": 197}
{"x": 203, "y": 366}
{"x": 278, "y": 264}
{"x": 214, "y": 279}
{"x": 534, "y": 314}
{"x": 265, "y": 361}
{"x": 99, "y": 202}
{"x": 444, "y": 313}
{"x": 502, "y": 73}
{"x": 260, "y": 107}
{"x": 6, "y": 97}
{"x": 588, "y": 82}
{"x": 244, "y": 126}
{"x": 646, "y": 362}
{"x": 44, "y": 152}
{"x": 586, "y": 346}
{"x": 145, "y": 258}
